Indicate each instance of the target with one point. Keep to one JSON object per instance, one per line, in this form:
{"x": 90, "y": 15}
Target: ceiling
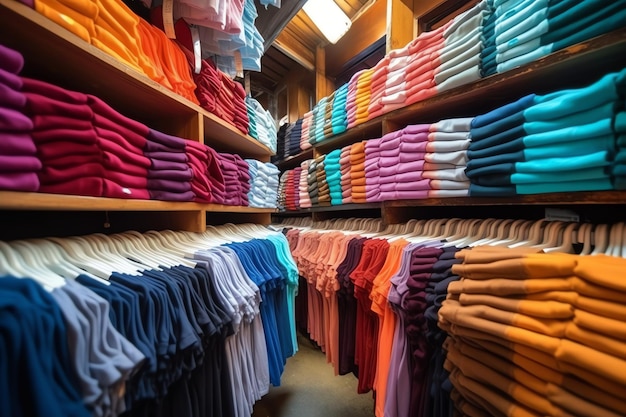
{"x": 291, "y": 39}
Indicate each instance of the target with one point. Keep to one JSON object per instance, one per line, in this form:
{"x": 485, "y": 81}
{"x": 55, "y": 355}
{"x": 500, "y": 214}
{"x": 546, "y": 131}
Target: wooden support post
{"x": 401, "y": 25}
{"x": 323, "y": 86}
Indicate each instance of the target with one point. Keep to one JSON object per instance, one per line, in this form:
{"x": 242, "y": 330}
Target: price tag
{"x": 168, "y": 18}
{"x": 197, "y": 50}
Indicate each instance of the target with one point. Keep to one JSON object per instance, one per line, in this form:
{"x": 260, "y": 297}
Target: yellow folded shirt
{"x": 68, "y": 18}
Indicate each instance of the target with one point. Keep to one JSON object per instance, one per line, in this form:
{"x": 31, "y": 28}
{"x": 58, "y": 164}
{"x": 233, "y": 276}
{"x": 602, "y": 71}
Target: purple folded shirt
{"x": 11, "y": 80}
{"x": 180, "y": 158}
{"x": 11, "y": 60}
{"x": 19, "y": 163}
{"x": 19, "y": 181}
{"x": 171, "y": 174}
{"x": 170, "y": 196}
{"x": 167, "y": 185}
{"x": 14, "y": 121}
{"x": 163, "y": 165}
{"x": 169, "y": 141}
{"x": 17, "y": 144}
{"x": 11, "y": 98}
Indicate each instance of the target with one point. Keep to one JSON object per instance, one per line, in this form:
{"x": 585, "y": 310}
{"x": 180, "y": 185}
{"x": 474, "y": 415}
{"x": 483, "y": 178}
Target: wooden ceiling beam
{"x": 296, "y": 51}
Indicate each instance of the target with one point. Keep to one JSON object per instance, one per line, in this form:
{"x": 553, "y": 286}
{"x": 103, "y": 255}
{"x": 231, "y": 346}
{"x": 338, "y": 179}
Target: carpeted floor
{"x": 309, "y": 388}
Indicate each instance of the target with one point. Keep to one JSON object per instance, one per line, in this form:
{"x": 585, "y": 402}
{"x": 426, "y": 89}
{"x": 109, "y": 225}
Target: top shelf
{"x": 559, "y": 70}
{"x": 56, "y": 55}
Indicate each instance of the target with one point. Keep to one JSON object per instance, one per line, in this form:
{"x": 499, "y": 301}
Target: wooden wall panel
{"x": 367, "y": 29}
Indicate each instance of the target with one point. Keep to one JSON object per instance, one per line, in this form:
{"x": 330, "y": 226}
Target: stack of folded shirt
{"x": 68, "y": 144}
{"x": 295, "y": 136}
{"x": 220, "y": 95}
{"x": 402, "y": 162}
{"x": 328, "y": 115}
{"x": 557, "y": 142}
{"x": 280, "y": 143}
{"x": 303, "y": 185}
{"x": 263, "y": 184}
{"x": 618, "y": 168}
{"x": 377, "y": 87}
{"x": 170, "y": 174}
{"x": 351, "y": 98}
{"x": 528, "y": 30}
{"x": 252, "y": 116}
{"x": 322, "y": 184}
{"x": 392, "y": 83}
{"x": 306, "y": 126}
{"x": 288, "y": 130}
{"x": 372, "y": 169}
{"x": 446, "y": 157}
{"x": 311, "y": 180}
{"x": 316, "y": 130}
{"x": 357, "y": 172}
{"x": 339, "y": 117}
{"x": 167, "y": 61}
{"x": 535, "y": 333}
{"x": 346, "y": 181}
{"x": 424, "y": 62}
{"x": 236, "y": 179}
{"x": 265, "y": 130}
{"x": 291, "y": 198}
{"x": 207, "y": 179}
{"x": 19, "y": 163}
{"x": 359, "y": 112}
{"x": 460, "y": 54}
{"x": 111, "y": 26}
{"x": 281, "y": 204}
{"x": 488, "y": 64}
{"x": 332, "y": 166}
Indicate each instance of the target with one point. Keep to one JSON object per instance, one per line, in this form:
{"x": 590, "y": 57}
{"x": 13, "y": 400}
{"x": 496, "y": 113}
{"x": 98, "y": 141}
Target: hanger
{"x": 566, "y": 245}
{"x": 615, "y": 239}
{"x": 600, "y": 239}
{"x": 533, "y": 235}
{"x": 23, "y": 263}
{"x": 584, "y": 236}
{"x": 99, "y": 245}
{"x": 468, "y": 229}
{"x": 83, "y": 259}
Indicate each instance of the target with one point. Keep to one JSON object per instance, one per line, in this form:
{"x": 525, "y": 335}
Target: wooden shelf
{"x": 69, "y": 61}
{"x": 583, "y": 197}
{"x": 224, "y": 137}
{"x": 13, "y": 200}
{"x": 54, "y": 54}
{"x": 294, "y": 160}
{"x": 369, "y": 130}
{"x": 340, "y": 207}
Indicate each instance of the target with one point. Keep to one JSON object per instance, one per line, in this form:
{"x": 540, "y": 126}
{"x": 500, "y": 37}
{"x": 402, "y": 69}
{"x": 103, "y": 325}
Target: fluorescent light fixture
{"x": 328, "y": 17}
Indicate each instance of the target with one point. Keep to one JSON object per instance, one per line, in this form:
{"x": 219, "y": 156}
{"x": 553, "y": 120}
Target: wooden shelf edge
{"x": 582, "y": 197}
{"x": 294, "y": 160}
{"x": 340, "y": 207}
{"x": 223, "y": 136}
{"x": 15, "y": 200}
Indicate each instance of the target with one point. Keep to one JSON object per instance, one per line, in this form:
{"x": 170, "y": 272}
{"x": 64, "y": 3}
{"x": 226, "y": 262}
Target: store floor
{"x": 309, "y": 388}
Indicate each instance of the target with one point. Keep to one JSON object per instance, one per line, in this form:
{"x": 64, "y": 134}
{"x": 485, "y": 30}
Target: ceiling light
{"x": 328, "y": 17}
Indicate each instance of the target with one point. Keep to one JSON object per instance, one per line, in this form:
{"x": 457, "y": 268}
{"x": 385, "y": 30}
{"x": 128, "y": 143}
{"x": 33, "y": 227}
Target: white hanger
{"x": 101, "y": 247}
{"x": 82, "y": 258}
{"x": 25, "y": 264}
